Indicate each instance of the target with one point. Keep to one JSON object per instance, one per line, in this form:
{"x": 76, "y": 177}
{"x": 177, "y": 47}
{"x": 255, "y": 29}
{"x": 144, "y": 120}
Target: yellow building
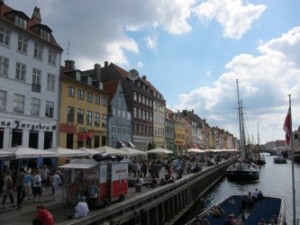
{"x": 83, "y": 110}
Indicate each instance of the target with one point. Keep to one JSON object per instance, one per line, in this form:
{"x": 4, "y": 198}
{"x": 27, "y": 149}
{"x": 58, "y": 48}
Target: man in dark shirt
{"x": 20, "y": 187}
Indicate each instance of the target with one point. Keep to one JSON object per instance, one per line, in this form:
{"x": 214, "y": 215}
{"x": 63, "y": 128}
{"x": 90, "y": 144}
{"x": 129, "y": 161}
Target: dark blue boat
{"x": 266, "y": 208}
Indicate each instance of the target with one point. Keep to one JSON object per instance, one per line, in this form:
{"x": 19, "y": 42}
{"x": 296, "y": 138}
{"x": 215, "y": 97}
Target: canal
{"x": 275, "y": 179}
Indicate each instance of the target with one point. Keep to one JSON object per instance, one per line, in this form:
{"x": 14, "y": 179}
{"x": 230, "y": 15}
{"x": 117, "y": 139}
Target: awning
{"x": 78, "y": 166}
{"x": 130, "y": 144}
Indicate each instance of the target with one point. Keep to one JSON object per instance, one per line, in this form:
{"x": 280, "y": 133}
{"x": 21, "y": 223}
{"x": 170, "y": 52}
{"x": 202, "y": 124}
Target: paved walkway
{"x": 23, "y": 216}
{"x": 59, "y": 209}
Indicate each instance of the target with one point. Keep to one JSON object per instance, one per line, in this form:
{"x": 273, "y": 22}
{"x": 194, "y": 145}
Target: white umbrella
{"x": 132, "y": 151}
{"x": 67, "y": 152}
{"x": 28, "y": 153}
{"x": 6, "y": 154}
{"x": 195, "y": 150}
{"x": 159, "y": 151}
{"x": 109, "y": 150}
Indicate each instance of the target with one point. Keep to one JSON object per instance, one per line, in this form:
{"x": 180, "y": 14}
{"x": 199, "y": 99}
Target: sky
{"x": 193, "y": 52}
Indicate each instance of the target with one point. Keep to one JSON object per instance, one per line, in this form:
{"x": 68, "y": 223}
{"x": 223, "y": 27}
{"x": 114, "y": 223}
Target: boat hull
{"x": 279, "y": 160}
{"x": 265, "y": 208}
{"x": 242, "y": 175}
{"x": 242, "y": 171}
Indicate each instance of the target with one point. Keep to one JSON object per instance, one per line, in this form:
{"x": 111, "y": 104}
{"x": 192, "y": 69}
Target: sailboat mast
{"x": 241, "y": 126}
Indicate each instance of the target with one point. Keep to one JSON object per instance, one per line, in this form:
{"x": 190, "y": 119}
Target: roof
{"x": 79, "y": 165}
{"x": 6, "y": 10}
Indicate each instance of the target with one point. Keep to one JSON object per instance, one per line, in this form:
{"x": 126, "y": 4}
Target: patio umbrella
{"x": 6, "y": 154}
{"x": 159, "y": 151}
{"x": 109, "y": 150}
{"x": 195, "y": 150}
{"x": 132, "y": 151}
{"x": 28, "y": 153}
{"x": 66, "y": 152}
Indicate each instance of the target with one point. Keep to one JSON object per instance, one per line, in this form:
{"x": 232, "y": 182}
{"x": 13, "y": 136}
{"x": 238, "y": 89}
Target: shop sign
{"x": 18, "y": 124}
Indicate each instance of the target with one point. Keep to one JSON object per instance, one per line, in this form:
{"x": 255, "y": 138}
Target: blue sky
{"x": 192, "y": 52}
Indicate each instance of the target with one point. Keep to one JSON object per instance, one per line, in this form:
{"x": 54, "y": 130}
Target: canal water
{"x": 275, "y": 180}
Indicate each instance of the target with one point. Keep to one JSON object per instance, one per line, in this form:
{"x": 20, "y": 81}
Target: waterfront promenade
{"x": 23, "y": 216}
{"x": 186, "y": 189}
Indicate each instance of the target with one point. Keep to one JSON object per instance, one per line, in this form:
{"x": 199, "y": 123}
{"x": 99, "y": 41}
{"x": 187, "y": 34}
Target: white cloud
{"x": 265, "y": 82}
{"x": 235, "y": 17}
{"x": 151, "y": 42}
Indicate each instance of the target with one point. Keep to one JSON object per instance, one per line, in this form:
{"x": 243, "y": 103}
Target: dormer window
{"x": 18, "y": 18}
{"x": 89, "y": 81}
{"x": 78, "y": 75}
{"x": 42, "y": 30}
{"x": 45, "y": 34}
{"x": 20, "y": 22}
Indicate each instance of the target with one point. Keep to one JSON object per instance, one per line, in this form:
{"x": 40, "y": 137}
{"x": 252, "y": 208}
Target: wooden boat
{"x": 260, "y": 159}
{"x": 266, "y": 208}
{"x": 279, "y": 160}
{"x": 245, "y": 169}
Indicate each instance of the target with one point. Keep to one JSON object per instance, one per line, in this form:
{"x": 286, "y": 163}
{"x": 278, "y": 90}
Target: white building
{"x": 30, "y": 62}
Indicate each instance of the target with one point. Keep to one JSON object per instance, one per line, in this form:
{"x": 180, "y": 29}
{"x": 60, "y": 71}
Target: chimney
{"x": 105, "y": 64}
{"x": 97, "y": 69}
{"x": 36, "y": 15}
{"x": 69, "y": 65}
{"x": 144, "y": 77}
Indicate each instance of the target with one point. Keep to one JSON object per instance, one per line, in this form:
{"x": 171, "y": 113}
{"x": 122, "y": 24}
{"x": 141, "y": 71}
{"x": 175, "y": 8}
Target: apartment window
{"x": 36, "y": 80}
{"x": 19, "y": 103}
{"x": 97, "y": 119}
{"x": 89, "y": 97}
{"x": 3, "y": 95}
{"x": 52, "y": 57}
{"x": 71, "y": 91}
{"x": 71, "y": 114}
{"x": 97, "y": 100}
{"x": 22, "y": 44}
{"x": 104, "y": 101}
{"x": 4, "y": 36}
{"x": 38, "y": 51}
{"x": 104, "y": 120}
{"x": 49, "y": 109}
{"x": 35, "y": 106}
{"x": 20, "y": 22}
{"x": 88, "y": 118}
{"x": 20, "y": 71}
{"x": 80, "y": 94}
{"x": 4, "y": 64}
{"x": 134, "y": 96}
{"x": 80, "y": 114}
{"x": 51, "y": 82}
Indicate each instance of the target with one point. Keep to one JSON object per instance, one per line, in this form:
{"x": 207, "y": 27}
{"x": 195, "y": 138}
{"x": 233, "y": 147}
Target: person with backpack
{"x": 37, "y": 186}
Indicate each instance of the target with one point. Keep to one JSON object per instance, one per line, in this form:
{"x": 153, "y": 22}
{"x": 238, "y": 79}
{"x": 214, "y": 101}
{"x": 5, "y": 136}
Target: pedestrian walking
{"x": 28, "y": 184}
{"x": 56, "y": 182}
{"x": 37, "y": 186}
{"x": 20, "y": 187}
{"x": 8, "y": 189}
{"x": 45, "y": 173}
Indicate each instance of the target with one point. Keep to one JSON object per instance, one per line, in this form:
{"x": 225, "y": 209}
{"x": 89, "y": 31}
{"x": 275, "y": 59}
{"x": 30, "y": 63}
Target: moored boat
{"x": 239, "y": 208}
{"x": 245, "y": 169}
{"x": 280, "y": 160}
{"x": 260, "y": 159}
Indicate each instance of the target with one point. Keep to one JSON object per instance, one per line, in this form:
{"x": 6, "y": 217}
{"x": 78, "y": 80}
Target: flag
{"x": 287, "y": 126}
